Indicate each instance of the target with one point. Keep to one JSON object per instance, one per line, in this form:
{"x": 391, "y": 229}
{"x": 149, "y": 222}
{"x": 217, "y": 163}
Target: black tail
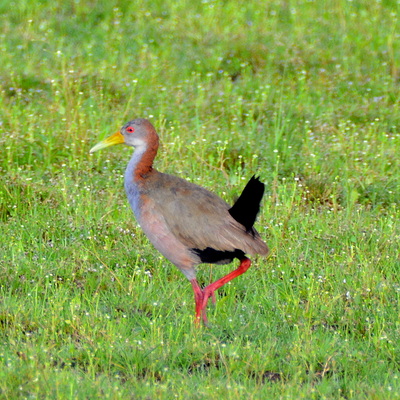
{"x": 247, "y": 206}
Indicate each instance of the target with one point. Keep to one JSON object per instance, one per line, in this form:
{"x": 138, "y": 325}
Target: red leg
{"x": 201, "y": 296}
{"x": 209, "y": 290}
{"x": 198, "y": 298}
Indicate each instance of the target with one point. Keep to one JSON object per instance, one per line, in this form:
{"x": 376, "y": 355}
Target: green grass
{"x": 305, "y": 94}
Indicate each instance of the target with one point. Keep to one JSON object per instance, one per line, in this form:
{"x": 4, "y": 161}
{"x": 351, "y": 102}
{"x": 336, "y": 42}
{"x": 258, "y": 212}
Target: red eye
{"x": 130, "y": 129}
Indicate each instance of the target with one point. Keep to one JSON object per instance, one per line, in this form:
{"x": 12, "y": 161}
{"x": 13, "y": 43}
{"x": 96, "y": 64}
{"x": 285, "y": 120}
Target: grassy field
{"x": 303, "y": 93}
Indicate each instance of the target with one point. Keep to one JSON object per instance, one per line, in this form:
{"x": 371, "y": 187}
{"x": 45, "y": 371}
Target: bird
{"x": 188, "y": 224}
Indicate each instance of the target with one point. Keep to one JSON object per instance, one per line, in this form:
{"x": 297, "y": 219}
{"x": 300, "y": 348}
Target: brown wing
{"x": 199, "y": 218}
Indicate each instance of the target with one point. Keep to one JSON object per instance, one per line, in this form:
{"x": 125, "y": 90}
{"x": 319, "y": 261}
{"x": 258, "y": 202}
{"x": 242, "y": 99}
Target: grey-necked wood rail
{"x": 186, "y": 223}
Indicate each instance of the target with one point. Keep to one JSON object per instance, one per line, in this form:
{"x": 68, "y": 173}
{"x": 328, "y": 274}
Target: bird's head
{"x": 137, "y": 133}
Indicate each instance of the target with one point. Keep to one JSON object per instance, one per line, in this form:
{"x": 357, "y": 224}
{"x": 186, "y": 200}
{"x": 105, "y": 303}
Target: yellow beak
{"x": 117, "y": 138}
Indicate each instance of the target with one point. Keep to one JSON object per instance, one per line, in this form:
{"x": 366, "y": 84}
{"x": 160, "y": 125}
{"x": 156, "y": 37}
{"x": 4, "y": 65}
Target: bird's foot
{"x": 200, "y": 315}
